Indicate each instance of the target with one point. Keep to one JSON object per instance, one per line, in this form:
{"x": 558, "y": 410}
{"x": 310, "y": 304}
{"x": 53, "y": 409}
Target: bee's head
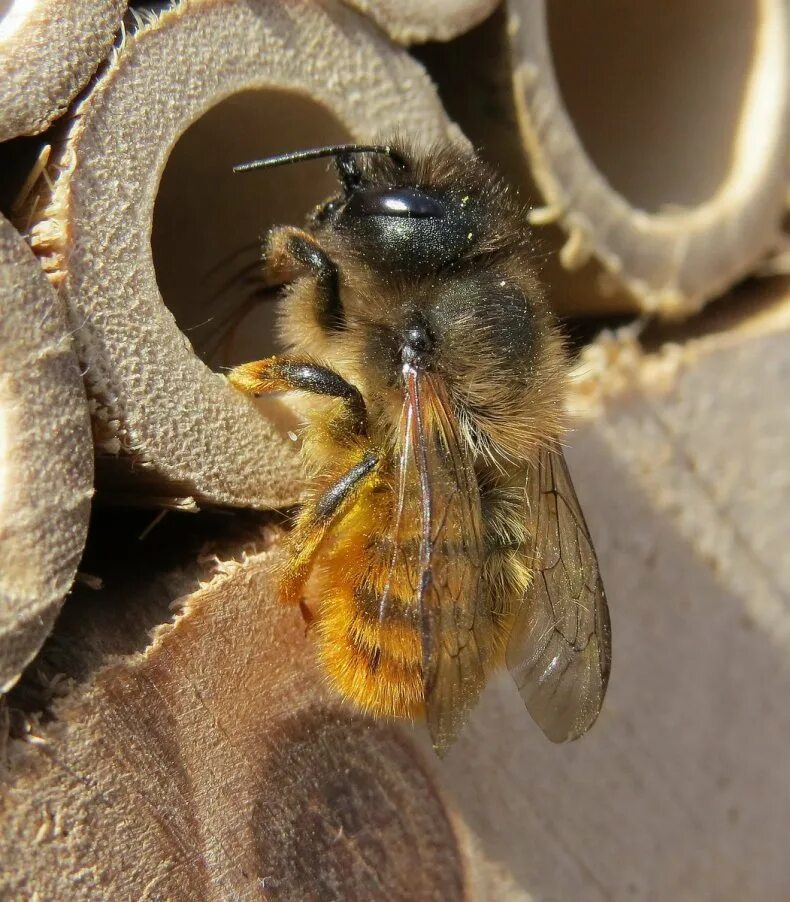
{"x": 434, "y": 271}
{"x": 404, "y": 230}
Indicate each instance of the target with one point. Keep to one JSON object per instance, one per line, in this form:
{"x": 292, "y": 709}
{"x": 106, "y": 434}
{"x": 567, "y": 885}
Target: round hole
{"x": 209, "y": 222}
{"x": 656, "y": 91}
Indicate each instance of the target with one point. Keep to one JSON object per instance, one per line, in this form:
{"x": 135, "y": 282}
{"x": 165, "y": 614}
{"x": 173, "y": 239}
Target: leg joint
{"x": 330, "y": 309}
{"x": 329, "y": 502}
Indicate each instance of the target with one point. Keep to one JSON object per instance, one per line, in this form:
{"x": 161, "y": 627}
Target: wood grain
{"x": 210, "y": 760}
{"x": 213, "y": 764}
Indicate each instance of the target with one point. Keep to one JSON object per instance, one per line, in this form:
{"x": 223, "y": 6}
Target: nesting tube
{"x": 146, "y": 231}
{"x": 48, "y": 51}
{"x": 658, "y": 136}
{"x": 46, "y": 457}
{"x": 414, "y": 21}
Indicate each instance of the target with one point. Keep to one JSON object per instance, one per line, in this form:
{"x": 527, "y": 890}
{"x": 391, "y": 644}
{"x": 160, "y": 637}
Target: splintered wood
{"x": 681, "y": 790}
{"x": 213, "y": 760}
{"x": 214, "y": 765}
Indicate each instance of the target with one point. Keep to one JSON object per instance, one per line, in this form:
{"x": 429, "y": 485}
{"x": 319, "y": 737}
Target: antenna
{"x": 316, "y": 153}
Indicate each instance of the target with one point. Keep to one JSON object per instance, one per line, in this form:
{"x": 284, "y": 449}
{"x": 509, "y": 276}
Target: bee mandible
{"x": 440, "y": 530}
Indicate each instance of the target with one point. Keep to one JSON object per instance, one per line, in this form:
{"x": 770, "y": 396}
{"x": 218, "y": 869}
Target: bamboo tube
{"x": 150, "y": 150}
{"x": 46, "y": 457}
{"x": 48, "y": 51}
{"x": 658, "y": 135}
{"x": 414, "y": 21}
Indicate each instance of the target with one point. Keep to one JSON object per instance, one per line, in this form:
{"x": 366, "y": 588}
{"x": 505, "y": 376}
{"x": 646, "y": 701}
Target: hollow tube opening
{"x": 656, "y": 91}
{"x": 209, "y": 222}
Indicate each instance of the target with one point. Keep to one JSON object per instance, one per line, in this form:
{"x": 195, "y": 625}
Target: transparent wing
{"x": 559, "y": 652}
{"x": 455, "y": 624}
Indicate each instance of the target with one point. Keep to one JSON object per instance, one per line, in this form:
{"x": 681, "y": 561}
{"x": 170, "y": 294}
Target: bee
{"x": 440, "y": 537}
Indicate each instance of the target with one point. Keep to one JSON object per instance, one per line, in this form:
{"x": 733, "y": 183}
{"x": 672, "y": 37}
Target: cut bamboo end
{"x": 415, "y": 21}
{"x": 227, "y": 761}
{"x": 48, "y": 51}
{"x": 658, "y": 137}
{"x": 147, "y": 161}
{"x": 46, "y": 457}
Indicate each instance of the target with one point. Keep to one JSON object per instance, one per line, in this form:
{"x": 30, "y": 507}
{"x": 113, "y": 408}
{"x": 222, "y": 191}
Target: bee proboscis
{"x": 440, "y": 525}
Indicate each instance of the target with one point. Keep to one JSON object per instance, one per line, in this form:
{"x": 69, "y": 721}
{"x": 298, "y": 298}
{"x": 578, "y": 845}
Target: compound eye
{"x": 403, "y": 202}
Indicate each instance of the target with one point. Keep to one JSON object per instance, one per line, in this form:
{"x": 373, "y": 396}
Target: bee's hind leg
{"x": 300, "y": 374}
{"x": 315, "y": 519}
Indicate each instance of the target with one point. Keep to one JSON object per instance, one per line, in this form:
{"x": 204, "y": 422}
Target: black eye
{"x": 405, "y": 202}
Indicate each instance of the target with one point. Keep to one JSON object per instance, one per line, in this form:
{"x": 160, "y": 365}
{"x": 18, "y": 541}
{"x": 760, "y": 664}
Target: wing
{"x": 455, "y": 625}
{"x": 560, "y": 647}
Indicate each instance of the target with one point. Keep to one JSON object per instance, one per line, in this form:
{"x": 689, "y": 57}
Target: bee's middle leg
{"x": 301, "y": 374}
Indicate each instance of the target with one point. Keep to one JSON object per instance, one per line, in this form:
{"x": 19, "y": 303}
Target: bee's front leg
{"x": 292, "y": 252}
{"x": 327, "y": 506}
{"x": 300, "y": 374}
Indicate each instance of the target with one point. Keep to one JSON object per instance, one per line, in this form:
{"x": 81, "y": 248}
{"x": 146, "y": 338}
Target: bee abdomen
{"x": 373, "y": 656}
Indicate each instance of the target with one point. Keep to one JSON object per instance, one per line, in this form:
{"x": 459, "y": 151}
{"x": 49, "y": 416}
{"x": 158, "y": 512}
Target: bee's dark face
{"x": 405, "y": 230}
